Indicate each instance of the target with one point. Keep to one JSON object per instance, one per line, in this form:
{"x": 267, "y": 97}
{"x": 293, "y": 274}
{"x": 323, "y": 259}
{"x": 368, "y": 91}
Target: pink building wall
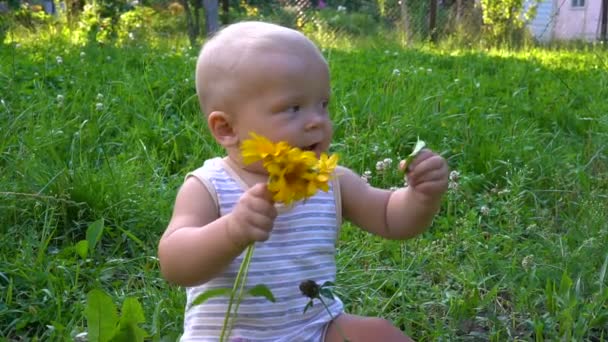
{"x": 578, "y": 22}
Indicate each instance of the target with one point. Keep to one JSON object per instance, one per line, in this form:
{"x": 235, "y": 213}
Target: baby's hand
{"x": 428, "y": 174}
{"x": 253, "y": 216}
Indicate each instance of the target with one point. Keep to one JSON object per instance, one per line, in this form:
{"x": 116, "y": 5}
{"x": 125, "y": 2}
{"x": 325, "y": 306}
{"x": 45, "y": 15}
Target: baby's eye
{"x": 325, "y": 104}
{"x": 294, "y": 109}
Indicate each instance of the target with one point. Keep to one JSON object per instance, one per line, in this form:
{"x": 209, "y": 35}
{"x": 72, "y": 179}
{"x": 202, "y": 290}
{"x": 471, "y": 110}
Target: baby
{"x": 261, "y": 78}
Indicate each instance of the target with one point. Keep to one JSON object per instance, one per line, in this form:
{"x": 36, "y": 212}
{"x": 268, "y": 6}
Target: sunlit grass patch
{"x": 518, "y": 250}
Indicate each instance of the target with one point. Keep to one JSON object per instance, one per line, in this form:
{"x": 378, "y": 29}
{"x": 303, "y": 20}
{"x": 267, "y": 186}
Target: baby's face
{"x": 287, "y": 99}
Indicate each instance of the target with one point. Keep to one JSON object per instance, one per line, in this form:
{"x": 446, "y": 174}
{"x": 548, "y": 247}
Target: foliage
{"x": 517, "y": 252}
{"x": 349, "y": 22}
{"x": 4, "y": 27}
{"x": 99, "y": 20}
{"x": 506, "y": 19}
{"x": 135, "y": 25}
{"x": 103, "y": 323}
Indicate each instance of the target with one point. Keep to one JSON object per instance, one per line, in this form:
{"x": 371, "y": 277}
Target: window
{"x": 578, "y": 3}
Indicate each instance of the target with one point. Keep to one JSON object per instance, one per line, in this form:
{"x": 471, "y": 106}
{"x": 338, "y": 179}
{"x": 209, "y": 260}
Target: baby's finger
{"x": 424, "y": 154}
{"x": 425, "y": 164}
{"x": 261, "y": 190}
{"x": 430, "y": 176}
{"x": 432, "y": 188}
{"x": 260, "y": 221}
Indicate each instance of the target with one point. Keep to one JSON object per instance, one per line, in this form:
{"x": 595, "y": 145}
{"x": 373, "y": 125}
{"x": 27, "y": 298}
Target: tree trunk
{"x": 433, "y": 21}
{"x": 212, "y": 20}
{"x": 405, "y": 21}
{"x": 604, "y": 30}
{"x": 192, "y": 21}
{"x": 225, "y": 12}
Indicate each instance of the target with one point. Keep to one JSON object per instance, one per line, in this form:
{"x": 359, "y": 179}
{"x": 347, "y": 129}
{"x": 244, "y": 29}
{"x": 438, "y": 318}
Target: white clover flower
{"x": 380, "y": 166}
{"x": 386, "y": 52}
{"x": 395, "y": 53}
{"x": 387, "y": 162}
{"x": 484, "y": 210}
{"x": 99, "y": 96}
{"x": 59, "y": 60}
{"x": 456, "y": 80}
{"x": 17, "y": 46}
{"x": 453, "y": 185}
{"x": 131, "y": 36}
{"x": 341, "y": 8}
{"x": 394, "y": 188}
{"x": 99, "y": 106}
{"x": 527, "y": 262}
{"x": 82, "y": 54}
{"x": 504, "y": 192}
{"x": 108, "y": 58}
{"x": 429, "y": 70}
{"x": 477, "y": 84}
{"x": 396, "y": 72}
{"x": 59, "y": 98}
{"x": 2, "y": 102}
{"x": 454, "y": 176}
{"x": 367, "y": 175}
{"x": 82, "y": 337}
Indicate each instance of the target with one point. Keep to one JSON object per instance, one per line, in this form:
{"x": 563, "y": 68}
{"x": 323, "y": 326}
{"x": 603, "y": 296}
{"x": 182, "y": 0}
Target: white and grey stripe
{"x": 301, "y": 247}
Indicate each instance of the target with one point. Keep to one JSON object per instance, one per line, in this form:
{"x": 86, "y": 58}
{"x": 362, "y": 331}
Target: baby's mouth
{"x": 312, "y": 147}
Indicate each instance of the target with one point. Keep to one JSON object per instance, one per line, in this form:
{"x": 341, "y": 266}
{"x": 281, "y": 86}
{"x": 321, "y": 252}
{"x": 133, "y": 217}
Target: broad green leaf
{"x": 203, "y": 297}
{"x": 261, "y": 290}
{"x": 132, "y": 311}
{"x": 308, "y": 305}
{"x": 101, "y": 316}
{"x": 82, "y": 248}
{"x": 129, "y": 332}
{"x": 325, "y": 292}
{"x": 328, "y": 283}
{"x": 94, "y": 233}
{"x": 131, "y": 315}
{"x": 565, "y": 284}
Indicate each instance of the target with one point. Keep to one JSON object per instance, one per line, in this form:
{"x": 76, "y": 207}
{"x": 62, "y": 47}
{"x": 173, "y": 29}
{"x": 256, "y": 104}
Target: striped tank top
{"x": 301, "y": 247}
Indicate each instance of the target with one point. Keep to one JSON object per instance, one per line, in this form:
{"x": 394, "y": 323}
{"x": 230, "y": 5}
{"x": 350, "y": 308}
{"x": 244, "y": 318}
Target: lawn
{"x": 99, "y": 138}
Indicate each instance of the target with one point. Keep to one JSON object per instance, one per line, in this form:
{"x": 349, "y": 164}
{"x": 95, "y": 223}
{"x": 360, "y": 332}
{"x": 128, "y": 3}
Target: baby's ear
{"x": 221, "y": 126}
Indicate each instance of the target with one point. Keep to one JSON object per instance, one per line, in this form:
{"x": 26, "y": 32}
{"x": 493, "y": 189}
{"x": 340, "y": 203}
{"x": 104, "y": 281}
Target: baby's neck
{"x": 250, "y": 175}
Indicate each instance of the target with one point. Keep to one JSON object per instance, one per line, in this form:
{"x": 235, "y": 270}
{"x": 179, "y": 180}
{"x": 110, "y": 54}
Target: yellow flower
{"x": 325, "y": 167}
{"x": 259, "y": 148}
{"x": 293, "y": 174}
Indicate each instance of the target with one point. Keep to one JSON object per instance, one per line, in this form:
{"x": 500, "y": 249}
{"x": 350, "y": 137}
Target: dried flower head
{"x": 310, "y": 289}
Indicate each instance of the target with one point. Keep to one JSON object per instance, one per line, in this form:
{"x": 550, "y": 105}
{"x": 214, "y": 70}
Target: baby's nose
{"x": 316, "y": 119}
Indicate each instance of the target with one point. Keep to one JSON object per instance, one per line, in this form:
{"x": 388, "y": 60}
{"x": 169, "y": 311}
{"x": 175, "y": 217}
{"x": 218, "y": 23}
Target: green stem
{"x": 333, "y": 319}
{"x": 239, "y": 283}
{"x": 239, "y": 298}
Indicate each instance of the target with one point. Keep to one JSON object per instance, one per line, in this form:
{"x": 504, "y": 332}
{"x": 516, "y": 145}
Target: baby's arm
{"x": 197, "y": 244}
{"x": 399, "y": 214}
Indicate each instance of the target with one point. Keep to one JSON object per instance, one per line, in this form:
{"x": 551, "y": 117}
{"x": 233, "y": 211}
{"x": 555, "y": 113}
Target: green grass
{"x": 517, "y": 252}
